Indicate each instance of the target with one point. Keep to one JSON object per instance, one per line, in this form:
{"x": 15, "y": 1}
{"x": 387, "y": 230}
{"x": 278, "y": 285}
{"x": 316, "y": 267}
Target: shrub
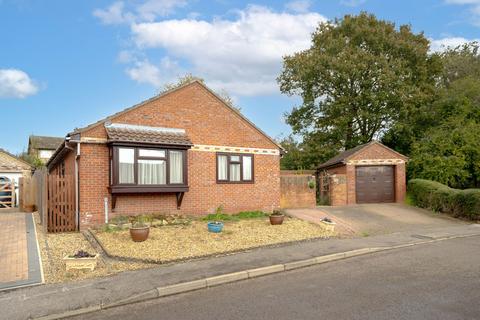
{"x": 439, "y": 197}
{"x": 219, "y": 216}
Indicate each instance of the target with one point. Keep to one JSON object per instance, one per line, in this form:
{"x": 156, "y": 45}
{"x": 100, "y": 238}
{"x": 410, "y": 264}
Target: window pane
{"x": 235, "y": 172}
{"x": 176, "y": 167}
{"x": 235, "y": 158}
{"x": 222, "y": 167}
{"x": 45, "y": 154}
{"x": 126, "y": 158}
{"x": 247, "y": 167}
{"x": 152, "y": 172}
{"x": 151, "y": 153}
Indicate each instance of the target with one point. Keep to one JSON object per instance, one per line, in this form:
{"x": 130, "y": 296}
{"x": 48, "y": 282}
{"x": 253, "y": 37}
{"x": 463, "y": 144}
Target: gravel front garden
{"x": 168, "y": 243}
{"x": 54, "y": 246}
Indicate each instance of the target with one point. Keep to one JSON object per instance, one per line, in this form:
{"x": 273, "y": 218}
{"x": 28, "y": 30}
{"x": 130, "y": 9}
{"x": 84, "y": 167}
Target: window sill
{"x": 235, "y": 182}
{"x": 119, "y": 189}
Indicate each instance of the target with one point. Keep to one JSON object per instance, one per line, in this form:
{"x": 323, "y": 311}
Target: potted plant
{"x": 215, "y": 226}
{"x": 328, "y": 224}
{"x": 140, "y": 229}
{"x": 81, "y": 260}
{"x": 276, "y": 217}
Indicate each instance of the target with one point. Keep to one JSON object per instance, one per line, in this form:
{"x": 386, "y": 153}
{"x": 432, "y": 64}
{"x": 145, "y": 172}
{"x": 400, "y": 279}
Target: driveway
{"x": 19, "y": 258}
{"x": 375, "y": 219}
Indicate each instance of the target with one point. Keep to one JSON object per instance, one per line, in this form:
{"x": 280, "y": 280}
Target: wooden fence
{"x": 61, "y": 203}
{"x": 7, "y": 195}
{"x": 54, "y": 198}
{"x": 297, "y": 189}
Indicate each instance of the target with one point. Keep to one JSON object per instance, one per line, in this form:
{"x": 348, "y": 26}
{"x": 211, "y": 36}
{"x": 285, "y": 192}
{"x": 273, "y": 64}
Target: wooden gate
{"x": 7, "y": 195}
{"x": 61, "y": 203}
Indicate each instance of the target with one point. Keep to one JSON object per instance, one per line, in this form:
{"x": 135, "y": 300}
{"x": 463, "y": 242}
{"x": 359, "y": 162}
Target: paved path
{"x": 376, "y": 219}
{"x": 433, "y": 281}
{"x": 50, "y": 299}
{"x": 19, "y": 259}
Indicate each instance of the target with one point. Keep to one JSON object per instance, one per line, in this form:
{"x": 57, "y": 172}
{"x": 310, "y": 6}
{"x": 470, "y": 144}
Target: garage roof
{"x": 10, "y": 163}
{"x": 347, "y": 154}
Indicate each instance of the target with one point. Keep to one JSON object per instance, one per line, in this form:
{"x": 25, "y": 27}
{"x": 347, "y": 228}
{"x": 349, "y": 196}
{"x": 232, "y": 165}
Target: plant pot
{"x": 80, "y": 263}
{"x": 139, "y": 234}
{"x": 276, "y": 219}
{"x": 215, "y": 227}
{"x": 329, "y": 226}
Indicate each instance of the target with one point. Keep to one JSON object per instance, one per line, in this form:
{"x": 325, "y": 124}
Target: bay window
{"x": 146, "y": 169}
{"x": 234, "y": 168}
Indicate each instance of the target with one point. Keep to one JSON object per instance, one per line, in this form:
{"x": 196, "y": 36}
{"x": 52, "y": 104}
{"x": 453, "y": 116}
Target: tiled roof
{"x": 142, "y": 134}
{"x": 342, "y": 156}
{"x": 8, "y": 162}
{"x": 42, "y": 142}
{"x": 345, "y": 155}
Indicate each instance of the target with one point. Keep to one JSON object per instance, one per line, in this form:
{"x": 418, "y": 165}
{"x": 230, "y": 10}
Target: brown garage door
{"x": 375, "y": 184}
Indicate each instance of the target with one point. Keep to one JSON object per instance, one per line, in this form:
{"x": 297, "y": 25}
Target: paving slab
{"x": 19, "y": 257}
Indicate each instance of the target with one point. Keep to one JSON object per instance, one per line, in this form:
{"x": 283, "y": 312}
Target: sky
{"x": 66, "y": 64}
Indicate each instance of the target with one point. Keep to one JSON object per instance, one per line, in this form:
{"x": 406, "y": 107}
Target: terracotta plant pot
{"x": 276, "y": 219}
{"x": 139, "y": 234}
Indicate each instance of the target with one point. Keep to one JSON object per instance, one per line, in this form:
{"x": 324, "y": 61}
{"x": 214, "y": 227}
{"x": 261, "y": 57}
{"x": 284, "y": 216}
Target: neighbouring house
{"x": 185, "y": 151}
{"x": 11, "y": 170}
{"x": 369, "y": 173}
{"x": 43, "y": 147}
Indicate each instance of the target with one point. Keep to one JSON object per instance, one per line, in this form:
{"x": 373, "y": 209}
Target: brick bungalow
{"x": 368, "y": 173}
{"x": 184, "y": 151}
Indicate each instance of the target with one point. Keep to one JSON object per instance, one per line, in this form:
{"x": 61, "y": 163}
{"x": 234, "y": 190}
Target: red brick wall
{"x": 295, "y": 191}
{"x": 207, "y": 121}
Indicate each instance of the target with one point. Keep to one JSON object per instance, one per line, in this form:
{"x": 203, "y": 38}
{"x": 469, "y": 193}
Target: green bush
{"x": 439, "y": 197}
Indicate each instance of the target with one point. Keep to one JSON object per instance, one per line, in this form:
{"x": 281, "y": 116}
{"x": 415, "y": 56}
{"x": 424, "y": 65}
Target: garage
{"x": 368, "y": 173}
{"x": 375, "y": 184}
{"x": 11, "y": 170}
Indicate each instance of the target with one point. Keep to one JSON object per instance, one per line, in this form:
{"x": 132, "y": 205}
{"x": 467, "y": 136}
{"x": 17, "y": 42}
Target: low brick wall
{"x": 295, "y": 191}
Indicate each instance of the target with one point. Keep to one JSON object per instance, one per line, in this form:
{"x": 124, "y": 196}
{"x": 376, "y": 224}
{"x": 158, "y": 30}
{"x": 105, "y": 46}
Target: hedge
{"x": 439, "y": 197}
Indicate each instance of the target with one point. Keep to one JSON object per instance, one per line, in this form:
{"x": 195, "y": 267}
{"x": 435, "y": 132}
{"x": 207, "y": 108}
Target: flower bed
{"x": 170, "y": 243}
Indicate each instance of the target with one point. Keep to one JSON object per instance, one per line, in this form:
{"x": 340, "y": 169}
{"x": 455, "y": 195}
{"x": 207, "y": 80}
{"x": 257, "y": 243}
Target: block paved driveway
{"x": 376, "y": 219}
{"x": 19, "y": 259}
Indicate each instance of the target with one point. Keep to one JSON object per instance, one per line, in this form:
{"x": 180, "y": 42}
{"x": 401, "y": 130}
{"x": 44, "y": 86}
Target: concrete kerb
{"x": 237, "y": 276}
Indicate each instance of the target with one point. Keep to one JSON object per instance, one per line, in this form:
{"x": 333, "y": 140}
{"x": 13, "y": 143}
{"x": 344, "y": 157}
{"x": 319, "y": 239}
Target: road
{"x": 431, "y": 281}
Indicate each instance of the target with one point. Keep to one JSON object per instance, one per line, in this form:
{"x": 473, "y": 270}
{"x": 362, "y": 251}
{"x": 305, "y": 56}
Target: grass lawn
{"x": 176, "y": 242}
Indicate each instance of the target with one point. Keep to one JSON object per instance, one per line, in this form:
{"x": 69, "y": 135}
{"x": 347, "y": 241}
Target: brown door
{"x": 375, "y": 184}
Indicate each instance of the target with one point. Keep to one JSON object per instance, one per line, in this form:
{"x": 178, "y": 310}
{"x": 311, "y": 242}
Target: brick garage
{"x": 227, "y": 160}
{"x": 369, "y": 173}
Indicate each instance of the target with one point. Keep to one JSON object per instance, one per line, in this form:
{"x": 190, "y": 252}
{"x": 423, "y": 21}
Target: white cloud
{"x": 439, "y": 45}
{"x": 144, "y": 11}
{"x": 300, "y": 6}
{"x": 243, "y": 55}
{"x": 15, "y": 83}
{"x": 143, "y": 71}
{"x": 474, "y": 8}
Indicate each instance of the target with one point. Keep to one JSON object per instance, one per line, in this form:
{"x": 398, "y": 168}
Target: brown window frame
{"x": 135, "y": 187}
{"x": 240, "y": 155}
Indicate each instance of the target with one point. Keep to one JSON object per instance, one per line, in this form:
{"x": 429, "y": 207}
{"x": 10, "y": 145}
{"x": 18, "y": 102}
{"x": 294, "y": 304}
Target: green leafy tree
{"x": 358, "y": 77}
{"x": 449, "y": 151}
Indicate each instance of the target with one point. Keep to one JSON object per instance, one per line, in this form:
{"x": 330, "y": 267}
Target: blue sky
{"x": 65, "y": 64}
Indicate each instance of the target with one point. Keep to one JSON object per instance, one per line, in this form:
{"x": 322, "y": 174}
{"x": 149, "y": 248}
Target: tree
{"x": 449, "y": 150}
{"x": 358, "y": 77}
